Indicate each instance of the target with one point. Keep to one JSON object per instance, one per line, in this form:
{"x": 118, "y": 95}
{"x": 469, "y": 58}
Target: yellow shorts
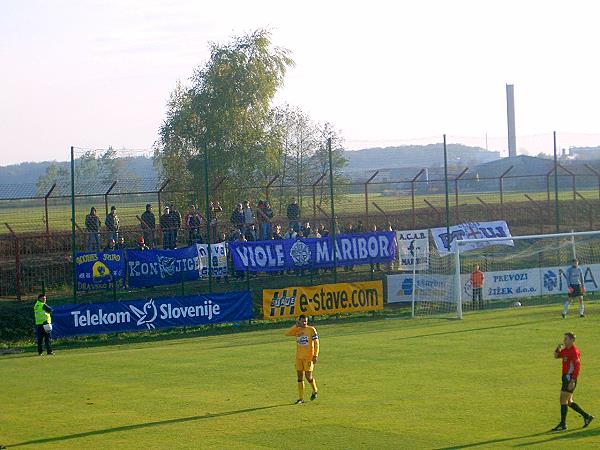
{"x": 304, "y": 364}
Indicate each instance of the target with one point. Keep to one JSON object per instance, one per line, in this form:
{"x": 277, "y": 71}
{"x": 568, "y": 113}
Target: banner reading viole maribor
{"x": 322, "y": 299}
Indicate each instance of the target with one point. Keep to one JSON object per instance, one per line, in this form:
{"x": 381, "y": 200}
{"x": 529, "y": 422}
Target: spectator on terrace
{"x": 175, "y": 221}
{"x": 277, "y": 233}
{"x": 234, "y": 235}
{"x": 322, "y": 230}
{"x": 250, "y": 233}
{"x": 165, "y": 225}
{"x": 111, "y": 246}
{"x": 141, "y": 244}
{"x": 305, "y": 230}
{"x": 237, "y": 218}
{"x": 314, "y": 233}
{"x": 359, "y": 227}
{"x": 112, "y": 224}
{"x": 264, "y": 214}
{"x": 290, "y": 233}
{"x": 193, "y": 221}
{"x": 293, "y": 215}
{"x": 92, "y": 229}
{"x": 148, "y": 224}
{"x": 249, "y": 218}
{"x": 213, "y": 210}
{"x": 120, "y": 244}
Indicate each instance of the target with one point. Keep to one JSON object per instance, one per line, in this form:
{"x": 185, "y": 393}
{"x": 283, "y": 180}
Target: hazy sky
{"x": 98, "y": 73}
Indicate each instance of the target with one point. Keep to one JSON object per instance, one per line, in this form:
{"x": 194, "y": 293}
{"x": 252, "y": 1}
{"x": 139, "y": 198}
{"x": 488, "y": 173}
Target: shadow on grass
{"x": 491, "y": 441}
{"x": 468, "y": 330}
{"x": 143, "y": 425}
{"x": 575, "y": 434}
{"x": 552, "y": 437}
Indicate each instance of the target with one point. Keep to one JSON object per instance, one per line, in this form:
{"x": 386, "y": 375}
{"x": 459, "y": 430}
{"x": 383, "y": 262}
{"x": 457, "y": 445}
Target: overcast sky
{"x": 94, "y": 73}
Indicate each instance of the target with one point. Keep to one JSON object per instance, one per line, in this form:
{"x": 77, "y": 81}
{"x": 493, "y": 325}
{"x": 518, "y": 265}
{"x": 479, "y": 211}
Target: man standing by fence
{"x": 112, "y": 224}
{"x": 477, "y": 279}
{"x": 148, "y": 223}
{"x": 43, "y": 325}
{"x": 293, "y": 215}
{"x": 92, "y": 229}
{"x": 165, "y": 225}
{"x": 193, "y": 221}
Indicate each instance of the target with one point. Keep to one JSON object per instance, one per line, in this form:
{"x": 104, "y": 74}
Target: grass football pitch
{"x": 489, "y": 380}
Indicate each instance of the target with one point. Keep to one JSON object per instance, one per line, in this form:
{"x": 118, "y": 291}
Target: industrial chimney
{"x": 510, "y": 117}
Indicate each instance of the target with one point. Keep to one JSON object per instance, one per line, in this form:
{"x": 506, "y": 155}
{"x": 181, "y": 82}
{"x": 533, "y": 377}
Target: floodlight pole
{"x": 73, "y": 252}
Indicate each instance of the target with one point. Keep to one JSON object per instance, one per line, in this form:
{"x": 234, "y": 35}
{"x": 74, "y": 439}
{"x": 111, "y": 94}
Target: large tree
{"x": 227, "y": 112}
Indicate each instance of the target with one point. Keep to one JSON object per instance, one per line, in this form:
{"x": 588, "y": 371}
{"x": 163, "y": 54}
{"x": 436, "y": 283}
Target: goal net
{"x": 517, "y": 271}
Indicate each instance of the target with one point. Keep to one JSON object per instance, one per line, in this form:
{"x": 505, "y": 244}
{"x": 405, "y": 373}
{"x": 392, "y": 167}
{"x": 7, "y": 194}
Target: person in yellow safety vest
{"x": 43, "y": 324}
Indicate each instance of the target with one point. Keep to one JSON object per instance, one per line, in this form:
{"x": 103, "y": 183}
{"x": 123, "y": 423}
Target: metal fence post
{"x": 17, "y": 261}
{"x": 502, "y": 189}
{"x": 595, "y": 172}
{"x": 412, "y": 197}
{"x": 367, "y": 197}
{"x": 456, "y": 180}
{"x": 314, "y": 194}
{"x": 106, "y": 196}
{"x": 269, "y": 185}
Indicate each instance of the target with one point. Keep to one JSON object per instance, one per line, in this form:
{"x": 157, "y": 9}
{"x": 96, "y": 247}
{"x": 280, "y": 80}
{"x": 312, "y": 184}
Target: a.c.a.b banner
{"x": 322, "y": 299}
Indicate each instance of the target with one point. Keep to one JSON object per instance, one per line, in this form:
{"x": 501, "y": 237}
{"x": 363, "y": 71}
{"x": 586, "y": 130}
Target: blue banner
{"x": 351, "y": 250}
{"x": 139, "y": 315}
{"x": 157, "y": 267}
{"x": 96, "y": 271}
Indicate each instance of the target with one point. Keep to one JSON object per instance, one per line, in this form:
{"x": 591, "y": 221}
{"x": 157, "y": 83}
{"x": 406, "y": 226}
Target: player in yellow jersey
{"x": 307, "y": 351}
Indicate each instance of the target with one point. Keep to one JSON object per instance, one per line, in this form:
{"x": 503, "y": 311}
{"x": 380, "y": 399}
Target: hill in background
{"x": 358, "y": 161}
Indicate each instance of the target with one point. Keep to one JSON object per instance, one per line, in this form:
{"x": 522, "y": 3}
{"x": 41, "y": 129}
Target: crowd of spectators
{"x": 246, "y": 223}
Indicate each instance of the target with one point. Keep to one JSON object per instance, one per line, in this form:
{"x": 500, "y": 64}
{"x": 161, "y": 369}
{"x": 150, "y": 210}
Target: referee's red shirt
{"x": 570, "y": 361}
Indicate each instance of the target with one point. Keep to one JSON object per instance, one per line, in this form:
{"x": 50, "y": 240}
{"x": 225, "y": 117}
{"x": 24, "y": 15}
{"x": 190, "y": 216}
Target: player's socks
{"x": 313, "y": 385}
{"x": 563, "y": 414}
{"x": 575, "y": 407}
{"x": 301, "y": 390}
{"x": 566, "y": 308}
{"x": 581, "y": 309}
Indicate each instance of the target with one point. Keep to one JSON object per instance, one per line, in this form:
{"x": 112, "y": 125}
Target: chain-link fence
{"x": 533, "y": 195}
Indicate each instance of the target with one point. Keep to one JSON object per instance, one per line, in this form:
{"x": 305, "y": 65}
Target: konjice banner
{"x": 288, "y": 254}
{"x": 157, "y": 267}
{"x": 103, "y": 270}
{"x": 139, "y": 315}
{"x": 322, "y": 299}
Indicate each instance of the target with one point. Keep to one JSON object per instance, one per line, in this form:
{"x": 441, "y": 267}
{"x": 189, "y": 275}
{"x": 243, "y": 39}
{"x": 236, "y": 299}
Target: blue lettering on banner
{"x": 158, "y": 267}
{"x": 97, "y": 271}
{"x": 471, "y": 230}
{"x": 351, "y": 249}
{"x": 139, "y": 315}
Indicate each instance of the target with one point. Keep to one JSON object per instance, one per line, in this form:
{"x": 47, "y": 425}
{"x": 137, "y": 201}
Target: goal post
{"x": 525, "y": 269}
